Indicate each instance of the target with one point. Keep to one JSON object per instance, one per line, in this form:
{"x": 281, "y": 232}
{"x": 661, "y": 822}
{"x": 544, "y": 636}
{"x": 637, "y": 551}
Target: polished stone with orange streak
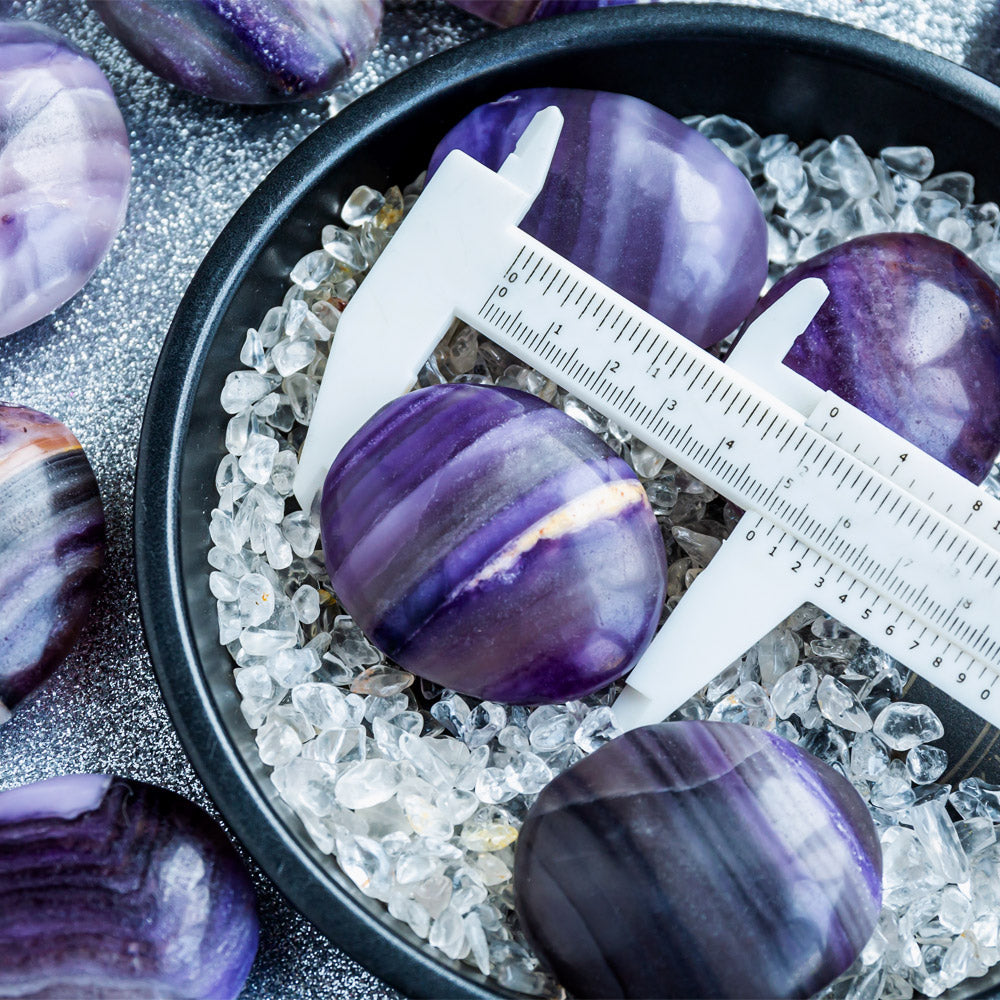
{"x": 51, "y": 547}
{"x": 488, "y": 542}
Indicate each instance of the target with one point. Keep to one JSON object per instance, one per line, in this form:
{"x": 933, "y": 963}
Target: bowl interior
{"x": 778, "y": 72}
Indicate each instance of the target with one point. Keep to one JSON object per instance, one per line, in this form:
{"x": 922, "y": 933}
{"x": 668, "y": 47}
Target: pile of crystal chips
{"x": 419, "y": 793}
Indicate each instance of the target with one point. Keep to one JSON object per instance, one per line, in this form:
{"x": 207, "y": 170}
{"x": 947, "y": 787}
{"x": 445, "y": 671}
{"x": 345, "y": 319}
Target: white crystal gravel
{"x": 419, "y": 793}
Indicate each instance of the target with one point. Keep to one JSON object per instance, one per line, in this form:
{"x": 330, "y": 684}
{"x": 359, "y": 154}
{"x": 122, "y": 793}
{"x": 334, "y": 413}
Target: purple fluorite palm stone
{"x": 247, "y": 51}
{"x": 64, "y": 171}
{"x": 114, "y": 888}
{"x": 637, "y": 199}
{"x": 911, "y": 335}
{"x": 508, "y": 12}
{"x": 698, "y": 859}
{"x": 490, "y": 543}
{"x": 51, "y": 547}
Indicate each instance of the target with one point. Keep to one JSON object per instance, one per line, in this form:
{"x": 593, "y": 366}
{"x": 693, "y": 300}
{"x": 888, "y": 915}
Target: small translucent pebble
{"x": 869, "y": 757}
{"x": 841, "y": 706}
{"x": 912, "y": 161}
{"x": 793, "y": 691}
{"x": 925, "y": 764}
{"x": 903, "y": 725}
{"x": 936, "y": 831}
{"x": 362, "y": 206}
{"x": 343, "y": 246}
{"x": 312, "y": 270}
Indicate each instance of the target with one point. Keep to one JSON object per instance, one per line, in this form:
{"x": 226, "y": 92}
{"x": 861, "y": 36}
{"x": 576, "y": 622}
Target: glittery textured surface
{"x": 90, "y": 364}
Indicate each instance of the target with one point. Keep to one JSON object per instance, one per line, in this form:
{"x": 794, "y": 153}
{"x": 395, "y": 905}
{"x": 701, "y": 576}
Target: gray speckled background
{"x": 91, "y": 362}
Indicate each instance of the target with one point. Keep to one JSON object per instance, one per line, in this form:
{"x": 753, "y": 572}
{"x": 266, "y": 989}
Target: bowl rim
{"x": 168, "y": 413}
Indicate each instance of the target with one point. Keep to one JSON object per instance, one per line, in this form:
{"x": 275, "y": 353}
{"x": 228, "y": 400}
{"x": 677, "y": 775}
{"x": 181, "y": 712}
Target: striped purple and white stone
{"x": 247, "y": 51}
{"x": 637, "y": 199}
{"x": 64, "y": 171}
{"x": 508, "y": 12}
{"x": 911, "y": 335}
{"x": 51, "y": 547}
{"x": 491, "y": 544}
{"x": 114, "y": 888}
{"x": 698, "y": 859}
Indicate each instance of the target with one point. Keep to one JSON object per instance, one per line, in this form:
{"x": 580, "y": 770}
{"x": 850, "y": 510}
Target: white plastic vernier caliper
{"x": 840, "y": 511}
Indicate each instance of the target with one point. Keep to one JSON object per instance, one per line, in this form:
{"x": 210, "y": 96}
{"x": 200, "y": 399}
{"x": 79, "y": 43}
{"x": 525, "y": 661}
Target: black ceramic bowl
{"x": 779, "y": 72}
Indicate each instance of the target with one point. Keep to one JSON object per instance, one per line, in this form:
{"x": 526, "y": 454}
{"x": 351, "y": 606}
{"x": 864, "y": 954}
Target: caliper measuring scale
{"x": 839, "y": 510}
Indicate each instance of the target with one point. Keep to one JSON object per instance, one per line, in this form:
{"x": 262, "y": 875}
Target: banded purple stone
{"x": 490, "y": 543}
{"x": 698, "y": 859}
{"x": 508, "y": 12}
{"x": 911, "y": 335}
{"x": 247, "y": 51}
{"x": 114, "y": 888}
{"x": 51, "y": 548}
{"x": 64, "y": 171}
{"x": 637, "y": 199}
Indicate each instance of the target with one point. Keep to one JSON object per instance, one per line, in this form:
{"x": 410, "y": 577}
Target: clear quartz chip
{"x": 976, "y": 834}
{"x": 925, "y": 764}
{"x": 597, "y": 728}
{"x": 277, "y": 742}
{"x": 786, "y": 172}
{"x": 343, "y": 245}
{"x": 892, "y": 791}
{"x": 904, "y": 725}
{"x": 912, "y": 161}
{"x": 256, "y": 599}
{"x": 367, "y": 783}
{"x": 748, "y": 705}
{"x": 793, "y": 692}
{"x": 290, "y": 356}
{"x": 362, "y": 205}
{"x": 841, "y": 706}
{"x": 869, "y": 757}
{"x": 647, "y": 462}
{"x": 257, "y": 460}
{"x": 243, "y": 389}
{"x": 253, "y": 354}
{"x": 731, "y": 131}
{"x": 777, "y": 653}
{"x": 305, "y": 603}
{"x": 937, "y": 833}
{"x": 312, "y": 270}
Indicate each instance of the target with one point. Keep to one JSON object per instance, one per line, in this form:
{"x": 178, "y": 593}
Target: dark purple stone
{"x": 911, "y": 335}
{"x": 113, "y": 888}
{"x": 638, "y": 200}
{"x": 64, "y": 171}
{"x": 698, "y": 859}
{"x": 508, "y": 12}
{"x": 51, "y": 547}
{"x": 491, "y": 544}
{"x": 247, "y": 51}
